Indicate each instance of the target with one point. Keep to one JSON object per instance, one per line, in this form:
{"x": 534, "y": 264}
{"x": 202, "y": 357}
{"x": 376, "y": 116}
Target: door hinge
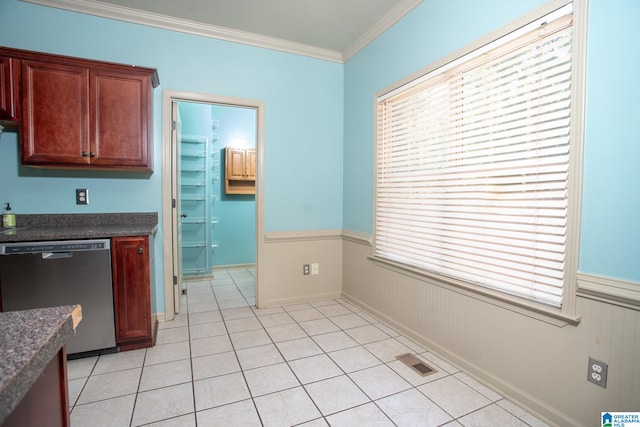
{"x": 173, "y": 203}
{"x": 175, "y": 280}
{"x": 173, "y": 125}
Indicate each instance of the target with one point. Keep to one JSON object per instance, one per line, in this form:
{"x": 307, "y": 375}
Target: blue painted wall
{"x": 319, "y": 116}
{"x": 236, "y": 230}
{"x": 303, "y": 118}
{"x": 610, "y": 232}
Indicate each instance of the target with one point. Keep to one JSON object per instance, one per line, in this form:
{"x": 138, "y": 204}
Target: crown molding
{"x": 380, "y": 27}
{"x": 120, "y": 13}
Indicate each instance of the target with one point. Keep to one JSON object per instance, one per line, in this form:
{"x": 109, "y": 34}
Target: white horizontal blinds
{"x": 472, "y": 167}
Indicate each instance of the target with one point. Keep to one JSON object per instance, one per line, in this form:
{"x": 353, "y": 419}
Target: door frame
{"x": 168, "y": 97}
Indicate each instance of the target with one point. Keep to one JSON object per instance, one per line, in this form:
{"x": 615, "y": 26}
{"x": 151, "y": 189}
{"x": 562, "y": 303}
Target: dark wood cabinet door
{"x": 9, "y": 84}
{"x": 120, "y": 119}
{"x": 55, "y": 112}
{"x": 131, "y": 291}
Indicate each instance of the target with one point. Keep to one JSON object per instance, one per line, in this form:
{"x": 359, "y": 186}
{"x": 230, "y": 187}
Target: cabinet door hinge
{"x": 173, "y": 203}
{"x": 173, "y": 125}
{"x": 175, "y": 280}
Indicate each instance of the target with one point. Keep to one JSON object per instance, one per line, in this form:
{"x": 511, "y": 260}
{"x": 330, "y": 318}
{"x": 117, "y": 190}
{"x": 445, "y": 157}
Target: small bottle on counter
{"x": 8, "y": 217}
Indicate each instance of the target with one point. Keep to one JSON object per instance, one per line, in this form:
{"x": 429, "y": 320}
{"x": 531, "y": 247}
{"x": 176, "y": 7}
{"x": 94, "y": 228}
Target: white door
{"x": 177, "y": 209}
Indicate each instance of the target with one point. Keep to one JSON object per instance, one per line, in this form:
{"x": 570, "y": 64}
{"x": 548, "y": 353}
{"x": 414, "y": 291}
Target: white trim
{"x": 606, "y": 289}
{"x": 299, "y": 300}
{"x": 168, "y": 96}
{"x": 580, "y": 10}
{"x": 301, "y": 236}
{"x": 357, "y": 237}
{"x": 478, "y": 44}
{"x": 121, "y": 13}
{"x": 126, "y": 14}
{"x": 389, "y": 20}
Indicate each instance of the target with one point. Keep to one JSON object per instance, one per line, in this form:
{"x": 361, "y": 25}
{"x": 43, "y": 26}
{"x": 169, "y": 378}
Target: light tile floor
{"x": 222, "y": 362}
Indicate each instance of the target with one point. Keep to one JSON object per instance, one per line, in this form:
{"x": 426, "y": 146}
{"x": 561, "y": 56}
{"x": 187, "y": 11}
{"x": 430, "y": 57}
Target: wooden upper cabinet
{"x": 240, "y": 170}
{"x": 82, "y": 113}
{"x": 120, "y": 119}
{"x": 9, "y": 94}
{"x": 55, "y": 109}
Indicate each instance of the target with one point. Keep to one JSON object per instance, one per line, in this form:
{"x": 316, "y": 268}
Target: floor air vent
{"x": 416, "y": 364}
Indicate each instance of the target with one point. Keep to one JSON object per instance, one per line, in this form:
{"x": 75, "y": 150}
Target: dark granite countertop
{"x": 29, "y": 339}
{"x": 32, "y": 228}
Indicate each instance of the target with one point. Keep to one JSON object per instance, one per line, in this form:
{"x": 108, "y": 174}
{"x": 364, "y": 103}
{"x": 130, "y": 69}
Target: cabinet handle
{"x": 92, "y": 154}
{"x": 140, "y": 250}
{"x": 84, "y": 154}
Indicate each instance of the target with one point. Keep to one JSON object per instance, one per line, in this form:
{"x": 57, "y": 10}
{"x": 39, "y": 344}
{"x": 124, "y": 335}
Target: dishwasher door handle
{"x": 56, "y": 255}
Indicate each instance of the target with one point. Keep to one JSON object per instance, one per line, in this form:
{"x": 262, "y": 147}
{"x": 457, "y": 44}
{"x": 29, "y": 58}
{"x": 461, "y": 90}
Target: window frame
{"x": 566, "y": 313}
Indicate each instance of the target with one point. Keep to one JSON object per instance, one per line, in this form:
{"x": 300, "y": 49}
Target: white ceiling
{"x": 328, "y": 29}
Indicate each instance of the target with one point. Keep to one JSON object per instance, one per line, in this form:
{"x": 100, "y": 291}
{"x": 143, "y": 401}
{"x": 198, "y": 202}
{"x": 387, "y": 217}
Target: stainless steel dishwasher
{"x": 54, "y": 273}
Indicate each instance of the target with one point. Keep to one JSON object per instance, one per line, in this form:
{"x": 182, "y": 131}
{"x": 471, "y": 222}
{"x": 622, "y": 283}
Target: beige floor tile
{"x": 119, "y": 361}
{"x": 315, "y": 368}
{"x": 242, "y": 325}
{"x": 107, "y": 386}
{"x": 364, "y": 415}
{"x": 334, "y": 341}
{"x": 165, "y": 374}
{"x": 354, "y": 359}
{"x": 188, "y": 420}
{"x": 163, "y": 403}
{"x": 81, "y": 368}
{"x": 234, "y": 414}
{"x": 166, "y": 336}
{"x": 286, "y": 408}
{"x": 335, "y": 394}
{"x": 492, "y": 415}
{"x": 256, "y": 357}
{"x": 269, "y": 379}
{"x": 286, "y": 332}
{"x": 318, "y": 326}
{"x": 454, "y": 396}
{"x": 348, "y": 321}
{"x": 275, "y": 319}
{"x": 387, "y": 349}
{"x": 296, "y": 349}
{"x": 162, "y": 353}
{"x": 214, "y": 365}
{"x": 216, "y": 391}
{"x": 204, "y": 317}
{"x": 412, "y": 408}
{"x": 204, "y": 330}
{"x": 210, "y": 345}
{"x": 223, "y": 333}
{"x": 366, "y": 334}
{"x": 248, "y": 339}
{"x": 306, "y": 314}
{"x": 114, "y": 412}
{"x": 379, "y": 381}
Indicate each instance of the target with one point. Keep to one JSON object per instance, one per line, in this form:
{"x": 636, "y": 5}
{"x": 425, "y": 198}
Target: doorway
{"x": 178, "y": 220}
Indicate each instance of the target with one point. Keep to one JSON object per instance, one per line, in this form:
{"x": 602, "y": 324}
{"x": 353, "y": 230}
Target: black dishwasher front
{"x": 65, "y": 272}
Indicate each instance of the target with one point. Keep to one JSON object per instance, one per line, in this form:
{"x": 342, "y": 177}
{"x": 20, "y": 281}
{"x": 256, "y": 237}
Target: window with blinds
{"x": 472, "y": 165}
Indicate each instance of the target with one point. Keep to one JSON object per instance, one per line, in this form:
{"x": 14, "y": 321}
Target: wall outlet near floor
{"x": 597, "y": 372}
{"x": 305, "y": 269}
{"x": 315, "y": 268}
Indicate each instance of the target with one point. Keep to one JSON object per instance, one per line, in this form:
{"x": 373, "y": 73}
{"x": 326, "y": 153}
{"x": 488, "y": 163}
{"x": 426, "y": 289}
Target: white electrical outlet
{"x": 315, "y": 268}
{"x": 597, "y": 373}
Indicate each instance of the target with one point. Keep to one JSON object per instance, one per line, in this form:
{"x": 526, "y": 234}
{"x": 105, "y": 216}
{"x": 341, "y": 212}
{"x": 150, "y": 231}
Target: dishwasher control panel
{"x": 54, "y": 246}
